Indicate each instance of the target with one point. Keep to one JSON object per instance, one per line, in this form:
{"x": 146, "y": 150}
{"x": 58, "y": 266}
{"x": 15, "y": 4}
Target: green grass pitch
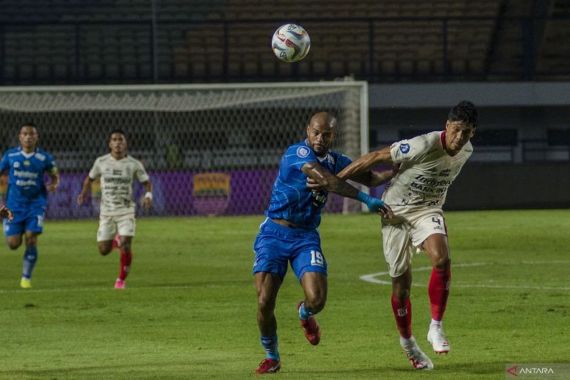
{"x": 189, "y": 310}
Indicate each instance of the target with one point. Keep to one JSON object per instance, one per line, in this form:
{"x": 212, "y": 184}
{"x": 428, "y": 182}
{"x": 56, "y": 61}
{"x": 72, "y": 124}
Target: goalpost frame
{"x": 149, "y": 111}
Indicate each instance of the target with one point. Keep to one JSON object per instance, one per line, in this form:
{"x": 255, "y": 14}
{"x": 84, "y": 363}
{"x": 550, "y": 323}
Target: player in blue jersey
{"x": 27, "y": 195}
{"x": 289, "y": 233}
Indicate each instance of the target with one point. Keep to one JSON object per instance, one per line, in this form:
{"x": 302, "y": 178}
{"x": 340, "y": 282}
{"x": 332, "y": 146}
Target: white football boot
{"x": 438, "y": 340}
{"x": 415, "y": 355}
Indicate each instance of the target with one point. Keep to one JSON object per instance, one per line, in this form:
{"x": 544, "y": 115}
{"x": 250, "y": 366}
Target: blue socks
{"x": 269, "y": 343}
{"x": 304, "y": 313}
{"x": 30, "y": 258}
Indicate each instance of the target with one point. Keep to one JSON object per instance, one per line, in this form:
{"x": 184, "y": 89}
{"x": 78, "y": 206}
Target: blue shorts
{"x": 277, "y": 245}
{"x": 31, "y": 219}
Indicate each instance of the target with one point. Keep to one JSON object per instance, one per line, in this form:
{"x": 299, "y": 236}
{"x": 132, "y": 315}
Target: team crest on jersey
{"x": 302, "y": 151}
{"x": 404, "y": 148}
{"x": 27, "y": 163}
{"x": 16, "y": 165}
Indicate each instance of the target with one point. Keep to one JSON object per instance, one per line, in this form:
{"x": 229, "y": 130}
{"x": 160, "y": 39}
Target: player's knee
{"x": 441, "y": 262}
{"x": 265, "y": 303}
{"x": 13, "y": 245}
{"x": 316, "y": 303}
{"x": 105, "y": 249}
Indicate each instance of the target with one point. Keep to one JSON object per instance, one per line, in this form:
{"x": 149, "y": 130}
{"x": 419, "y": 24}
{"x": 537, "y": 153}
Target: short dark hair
{"x": 116, "y": 130}
{"x": 466, "y": 112}
{"x": 28, "y": 124}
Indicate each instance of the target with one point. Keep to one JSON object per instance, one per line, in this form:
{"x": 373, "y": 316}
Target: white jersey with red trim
{"x": 426, "y": 172}
{"x": 117, "y": 183}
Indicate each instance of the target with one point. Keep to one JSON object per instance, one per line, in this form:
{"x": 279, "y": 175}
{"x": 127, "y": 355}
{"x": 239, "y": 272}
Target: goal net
{"x": 209, "y": 149}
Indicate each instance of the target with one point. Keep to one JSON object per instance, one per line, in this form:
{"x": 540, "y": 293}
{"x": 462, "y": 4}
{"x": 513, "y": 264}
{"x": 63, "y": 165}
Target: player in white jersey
{"x": 117, "y": 214}
{"x": 428, "y": 164}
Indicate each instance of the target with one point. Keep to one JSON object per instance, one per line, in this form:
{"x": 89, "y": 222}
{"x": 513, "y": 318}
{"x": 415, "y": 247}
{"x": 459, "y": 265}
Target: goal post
{"x": 210, "y": 149}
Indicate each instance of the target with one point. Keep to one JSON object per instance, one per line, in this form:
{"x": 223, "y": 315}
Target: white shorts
{"x": 125, "y": 225}
{"x": 402, "y": 240}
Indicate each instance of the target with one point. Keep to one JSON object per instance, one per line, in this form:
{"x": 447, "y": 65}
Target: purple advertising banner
{"x": 175, "y": 193}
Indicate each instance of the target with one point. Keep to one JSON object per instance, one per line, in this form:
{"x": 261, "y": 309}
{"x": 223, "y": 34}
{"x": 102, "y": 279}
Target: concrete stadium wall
{"x": 508, "y": 186}
{"x": 486, "y": 183}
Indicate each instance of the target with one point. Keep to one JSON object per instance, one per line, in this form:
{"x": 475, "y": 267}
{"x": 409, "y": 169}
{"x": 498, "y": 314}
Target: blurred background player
{"x": 428, "y": 165}
{"x": 27, "y": 195}
{"x": 117, "y": 211}
{"x": 289, "y": 233}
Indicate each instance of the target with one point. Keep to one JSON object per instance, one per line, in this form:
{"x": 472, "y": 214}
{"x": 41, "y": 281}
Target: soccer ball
{"x": 290, "y": 43}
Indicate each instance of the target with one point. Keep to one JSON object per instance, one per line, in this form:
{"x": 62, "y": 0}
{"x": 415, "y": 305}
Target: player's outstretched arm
{"x": 327, "y": 181}
{"x": 84, "y": 190}
{"x": 5, "y": 213}
{"x": 366, "y": 163}
{"x": 373, "y": 178}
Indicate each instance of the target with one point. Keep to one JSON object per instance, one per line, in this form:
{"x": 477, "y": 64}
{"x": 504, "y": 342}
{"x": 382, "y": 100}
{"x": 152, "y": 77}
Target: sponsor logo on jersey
{"x": 25, "y": 174}
{"x": 404, "y": 148}
{"x": 302, "y": 151}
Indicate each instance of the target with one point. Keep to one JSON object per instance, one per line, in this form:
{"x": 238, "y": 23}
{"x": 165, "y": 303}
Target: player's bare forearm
{"x": 84, "y": 190}
{"x": 378, "y": 178}
{"x": 365, "y": 163}
{"x": 54, "y": 180}
{"x": 326, "y": 181}
{"x": 147, "y": 186}
{"x": 373, "y": 178}
{"x": 147, "y": 199}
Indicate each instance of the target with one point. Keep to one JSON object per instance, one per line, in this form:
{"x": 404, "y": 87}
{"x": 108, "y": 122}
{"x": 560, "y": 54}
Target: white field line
{"x": 374, "y": 278}
{"x": 109, "y": 288}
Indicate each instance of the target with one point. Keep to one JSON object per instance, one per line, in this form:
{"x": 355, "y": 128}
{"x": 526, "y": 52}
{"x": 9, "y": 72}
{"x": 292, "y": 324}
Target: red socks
{"x": 403, "y": 315}
{"x": 439, "y": 290}
{"x": 126, "y": 258}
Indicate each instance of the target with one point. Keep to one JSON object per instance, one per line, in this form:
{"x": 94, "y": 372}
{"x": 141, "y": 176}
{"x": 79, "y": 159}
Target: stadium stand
{"x": 72, "y": 41}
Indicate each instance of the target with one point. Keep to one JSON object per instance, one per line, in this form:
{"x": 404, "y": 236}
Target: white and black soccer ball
{"x": 290, "y": 43}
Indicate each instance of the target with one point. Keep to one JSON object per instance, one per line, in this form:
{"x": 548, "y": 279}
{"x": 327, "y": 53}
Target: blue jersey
{"x": 26, "y": 187}
{"x": 290, "y": 198}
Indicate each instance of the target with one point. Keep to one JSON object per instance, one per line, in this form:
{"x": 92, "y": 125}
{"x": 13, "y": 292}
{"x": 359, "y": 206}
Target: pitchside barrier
{"x": 209, "y": 149}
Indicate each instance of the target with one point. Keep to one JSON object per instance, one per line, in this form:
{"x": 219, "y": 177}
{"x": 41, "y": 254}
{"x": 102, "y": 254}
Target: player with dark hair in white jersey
{"x": 428, "y": 164}
{"x": 117, "y": 171}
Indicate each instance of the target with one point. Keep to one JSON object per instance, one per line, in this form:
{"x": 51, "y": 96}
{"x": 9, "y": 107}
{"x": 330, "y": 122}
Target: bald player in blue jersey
{"x": 289, "y": 233}
{"x": 27, "y": 195}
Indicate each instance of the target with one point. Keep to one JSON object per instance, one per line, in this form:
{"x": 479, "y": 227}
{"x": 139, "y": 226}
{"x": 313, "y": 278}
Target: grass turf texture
{"x": 189, "y": 310}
